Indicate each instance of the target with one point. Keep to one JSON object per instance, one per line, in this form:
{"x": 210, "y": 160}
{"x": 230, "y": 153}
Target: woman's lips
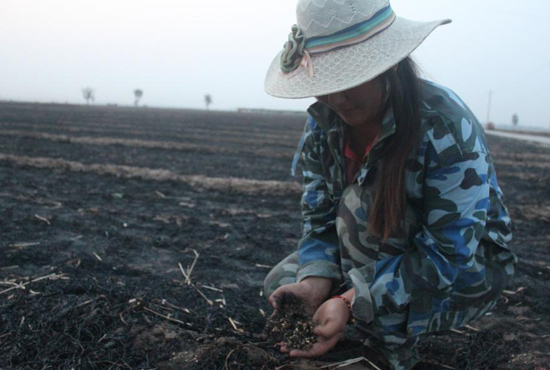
{"x": 345, "y": 109}
{"x": 348, "y": 110}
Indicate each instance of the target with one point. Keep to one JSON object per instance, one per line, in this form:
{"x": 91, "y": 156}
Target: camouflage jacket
{"x": 452, "y": 192}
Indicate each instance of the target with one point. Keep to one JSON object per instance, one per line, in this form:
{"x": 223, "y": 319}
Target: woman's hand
{"x": 331, "y": 318}
{"x": 312, "y": 291}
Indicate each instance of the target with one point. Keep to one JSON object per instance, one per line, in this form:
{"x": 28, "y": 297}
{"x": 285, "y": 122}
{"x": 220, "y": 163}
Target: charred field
{"x": 139, "y": 239}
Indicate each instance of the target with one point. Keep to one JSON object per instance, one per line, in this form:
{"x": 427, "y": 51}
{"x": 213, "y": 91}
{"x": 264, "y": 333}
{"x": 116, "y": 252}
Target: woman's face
{"x": 360, "y": 105}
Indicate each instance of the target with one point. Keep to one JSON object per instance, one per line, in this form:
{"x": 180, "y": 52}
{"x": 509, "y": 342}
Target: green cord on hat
{"x": 293, "y": 51}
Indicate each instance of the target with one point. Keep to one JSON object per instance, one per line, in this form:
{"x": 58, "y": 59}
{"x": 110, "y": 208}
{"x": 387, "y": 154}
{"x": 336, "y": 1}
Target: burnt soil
{"x": 103, "y": 207}
{"x": 290, "y": 325}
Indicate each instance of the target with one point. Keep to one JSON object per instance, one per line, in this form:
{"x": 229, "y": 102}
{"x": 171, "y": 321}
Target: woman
{"x": 404, "y": 226}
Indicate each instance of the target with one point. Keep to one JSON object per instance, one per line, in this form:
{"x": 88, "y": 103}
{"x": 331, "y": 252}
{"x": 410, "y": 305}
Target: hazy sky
{"x": 177, "y": 51}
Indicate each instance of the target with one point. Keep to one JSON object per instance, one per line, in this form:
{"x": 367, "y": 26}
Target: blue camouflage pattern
{"x": 454, "y": 259}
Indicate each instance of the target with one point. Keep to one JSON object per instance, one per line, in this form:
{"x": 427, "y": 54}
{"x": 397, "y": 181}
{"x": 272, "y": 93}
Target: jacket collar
{"x": 324, "y": 116}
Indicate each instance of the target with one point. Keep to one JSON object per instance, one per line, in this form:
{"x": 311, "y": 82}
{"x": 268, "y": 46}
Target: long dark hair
{"x": 390, "y": 201}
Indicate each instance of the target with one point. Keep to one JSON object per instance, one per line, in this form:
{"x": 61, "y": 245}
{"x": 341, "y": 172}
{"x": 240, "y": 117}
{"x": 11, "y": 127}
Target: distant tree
{"x": 89, "y": 95}
{"x": 138, "y": 93}
{"x": 515, "y": 119}
{"x": 207, "y": 100}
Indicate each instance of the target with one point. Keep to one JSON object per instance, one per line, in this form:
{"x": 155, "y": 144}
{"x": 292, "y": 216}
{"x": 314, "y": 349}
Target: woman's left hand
{"x": 331, "y": 318}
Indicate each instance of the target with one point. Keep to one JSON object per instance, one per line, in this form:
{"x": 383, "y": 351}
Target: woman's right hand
{"x": 313, "y": 291}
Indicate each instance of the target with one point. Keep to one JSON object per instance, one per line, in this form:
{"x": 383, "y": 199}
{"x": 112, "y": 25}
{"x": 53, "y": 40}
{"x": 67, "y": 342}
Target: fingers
{"x": 284, "y": 348}
{"x": 272, "y": 301}
{"x": 324, "y": 342}
{"x": 318, "y": 349}
{"x": 328, "y": 330}
{"x": 275, "y": 300}
{"x": 330, "y": 327}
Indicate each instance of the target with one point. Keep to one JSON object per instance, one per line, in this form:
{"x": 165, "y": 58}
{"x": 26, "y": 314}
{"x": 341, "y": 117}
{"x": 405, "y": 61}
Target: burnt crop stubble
{"x": 100, "y": 206}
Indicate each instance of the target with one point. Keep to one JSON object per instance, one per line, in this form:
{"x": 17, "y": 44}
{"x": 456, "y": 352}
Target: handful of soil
{"x": 291, "y": 325}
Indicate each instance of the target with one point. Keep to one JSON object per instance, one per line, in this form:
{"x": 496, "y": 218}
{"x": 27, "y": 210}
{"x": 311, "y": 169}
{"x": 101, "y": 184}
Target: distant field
{"x": 100, "y": 205}
{"x": 527, "y": 130}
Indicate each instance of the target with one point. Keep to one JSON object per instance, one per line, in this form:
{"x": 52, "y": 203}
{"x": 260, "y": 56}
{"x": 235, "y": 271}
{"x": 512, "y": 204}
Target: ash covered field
{"x": 139, "y": 239}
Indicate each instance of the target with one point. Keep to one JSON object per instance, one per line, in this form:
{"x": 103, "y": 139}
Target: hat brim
{"x": 350, "y": 66}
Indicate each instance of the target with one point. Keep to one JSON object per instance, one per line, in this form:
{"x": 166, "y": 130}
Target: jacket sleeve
{"x": 456, "y": 201}
{"x": 440, "y": 256}
{"x": 318, "y": 248}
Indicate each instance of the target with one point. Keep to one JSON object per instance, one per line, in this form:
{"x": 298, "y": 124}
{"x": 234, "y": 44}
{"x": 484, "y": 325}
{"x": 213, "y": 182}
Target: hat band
{"x": 353, "y": 35}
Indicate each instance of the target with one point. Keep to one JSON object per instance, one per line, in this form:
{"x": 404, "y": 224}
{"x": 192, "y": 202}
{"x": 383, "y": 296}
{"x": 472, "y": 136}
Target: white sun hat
{"x": 340, "y": 44}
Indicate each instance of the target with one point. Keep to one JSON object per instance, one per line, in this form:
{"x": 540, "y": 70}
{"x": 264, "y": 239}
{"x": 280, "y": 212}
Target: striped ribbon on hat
{"x": 352, "y": 35}
{"x": 298, "y": 49}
